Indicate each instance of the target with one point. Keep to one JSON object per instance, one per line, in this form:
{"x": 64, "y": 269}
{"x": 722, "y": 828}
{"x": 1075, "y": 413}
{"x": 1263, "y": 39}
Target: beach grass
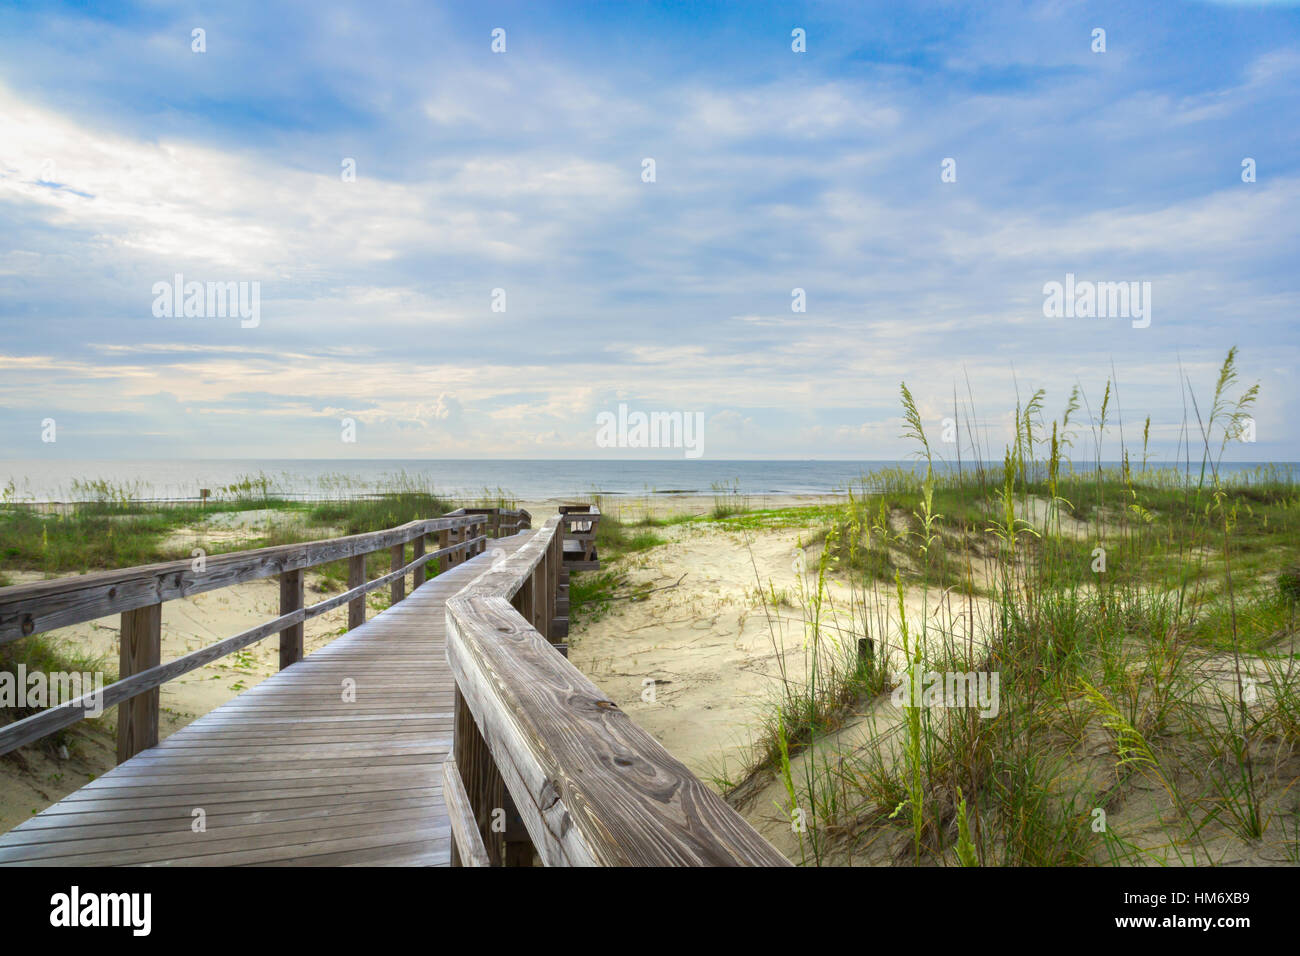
{"x": 1141, "y": 623}
{"x": 112, "y": 525}
{"x": 46, "y": 654}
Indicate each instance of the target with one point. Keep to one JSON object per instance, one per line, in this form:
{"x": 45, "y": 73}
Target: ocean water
{"x": 54, "y": 480}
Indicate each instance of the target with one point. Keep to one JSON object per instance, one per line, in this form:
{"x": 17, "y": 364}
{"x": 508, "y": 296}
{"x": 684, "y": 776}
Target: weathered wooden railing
{"x": 139, "y": 593}
{"x": 543, "y": 763}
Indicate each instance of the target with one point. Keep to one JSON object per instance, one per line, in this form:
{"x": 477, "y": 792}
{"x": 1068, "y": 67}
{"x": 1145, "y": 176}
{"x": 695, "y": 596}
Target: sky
{"x": 498, "y": 271}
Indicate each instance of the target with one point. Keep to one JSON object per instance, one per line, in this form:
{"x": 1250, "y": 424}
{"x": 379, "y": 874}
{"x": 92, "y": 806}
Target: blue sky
{"x": 127, "y": 158}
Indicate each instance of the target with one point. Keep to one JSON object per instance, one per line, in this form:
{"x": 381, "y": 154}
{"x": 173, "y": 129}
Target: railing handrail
{"x": 146, "y": 587}
{"x": 589, "y": 785}
{"x": 39, "y": 606}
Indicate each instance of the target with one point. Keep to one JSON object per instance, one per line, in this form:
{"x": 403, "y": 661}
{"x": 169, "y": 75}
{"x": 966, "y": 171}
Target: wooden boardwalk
{"x": 289, "y": 772}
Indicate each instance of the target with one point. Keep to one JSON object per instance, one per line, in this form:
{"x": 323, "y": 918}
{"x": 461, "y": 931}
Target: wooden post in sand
{"x": 417, "y": 552}
{"x": 397, "y": 590}
{"x": 291, "y": 599}
{"x": 141, "y": 648}
{"x": 356, "y": 578}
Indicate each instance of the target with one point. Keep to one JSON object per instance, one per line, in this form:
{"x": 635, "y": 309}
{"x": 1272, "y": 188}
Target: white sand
{"x": 713, "y": 647}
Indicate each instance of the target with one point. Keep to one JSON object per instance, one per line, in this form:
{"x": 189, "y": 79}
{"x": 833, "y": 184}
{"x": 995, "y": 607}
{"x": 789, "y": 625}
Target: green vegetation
{"x": 753, "y": 519}
{"x": 112, "y": 526}
{"x": 42, "y": 653}
{"x": 92, "y": 536}
{"x": 360, "y": 516}
{"x": 591, "y": 593}
{"x": 727, "y": 500}
{"x": 1141, "y": 624}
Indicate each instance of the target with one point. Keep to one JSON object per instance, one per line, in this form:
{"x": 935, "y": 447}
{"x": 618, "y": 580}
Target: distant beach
{"x": 526, "y": 480}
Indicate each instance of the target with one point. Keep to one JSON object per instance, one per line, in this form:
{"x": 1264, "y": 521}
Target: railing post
{"x": 417, "y": 552}
{"x": 141, "y": 648}
{"x": 559, "y": 590}
{"x": 523, "y": 600}
{"x": 444, "y": 541}
{"x": 559, "y": 568}
{"x": 518, "y": 844}
{"x": 356, "y": 578}
{"x": 541, "y": 578}
{"x": 397, "y": 590}
{"x": 291, "y": 599}
{"x": 483, "y": 784}
{"x": 553, "y": 587}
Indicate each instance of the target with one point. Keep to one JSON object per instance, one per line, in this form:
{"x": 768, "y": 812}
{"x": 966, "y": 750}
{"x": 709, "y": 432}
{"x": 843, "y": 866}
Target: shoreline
{"x": 177, "y": 481}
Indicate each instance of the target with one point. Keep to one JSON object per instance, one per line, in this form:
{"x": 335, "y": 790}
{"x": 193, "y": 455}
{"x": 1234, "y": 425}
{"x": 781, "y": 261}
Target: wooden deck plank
{"x": 131, "y": 820}
{"x": 164, "y": 844}
{"x": 290, "y": 772}
{"x": 158, "y": 807}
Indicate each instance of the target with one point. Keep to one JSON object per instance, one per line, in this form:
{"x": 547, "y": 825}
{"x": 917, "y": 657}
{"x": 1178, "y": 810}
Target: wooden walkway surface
{"x": 288, "y": 773}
